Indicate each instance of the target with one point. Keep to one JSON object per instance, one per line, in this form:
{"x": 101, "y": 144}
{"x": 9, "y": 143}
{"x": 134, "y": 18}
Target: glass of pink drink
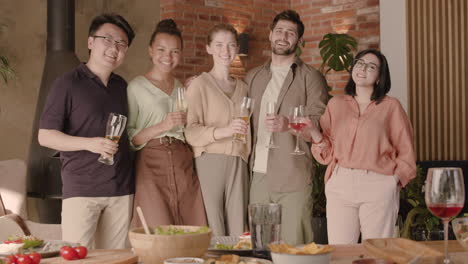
{"x": 445, "y": 197}
{"x": 296, "y": 122}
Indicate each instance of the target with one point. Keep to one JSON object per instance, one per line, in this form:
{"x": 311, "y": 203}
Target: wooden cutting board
{"x": 101, "y": 256}
{"x": 401, "y": 250}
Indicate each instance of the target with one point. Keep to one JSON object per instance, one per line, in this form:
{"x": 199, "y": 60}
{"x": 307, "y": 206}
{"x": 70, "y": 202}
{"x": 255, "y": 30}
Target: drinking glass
{"x": 245, "y": 111}
{"x": 296, "y": 122}
{"x": 445, "y": 196}
{"x": 114, "y": 129}
{"x": 180, "y": 104}
{"x": 270, "y": 111}
{"x": 265, "y": 227}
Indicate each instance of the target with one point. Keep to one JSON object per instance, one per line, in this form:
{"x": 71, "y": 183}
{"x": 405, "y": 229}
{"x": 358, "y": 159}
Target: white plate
{"x": 52, "y": 250}
{"x": 230, "y": 241}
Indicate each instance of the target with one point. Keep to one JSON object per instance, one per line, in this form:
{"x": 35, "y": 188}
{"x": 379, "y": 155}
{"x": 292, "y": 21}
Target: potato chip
{"x": 309, "y": 249}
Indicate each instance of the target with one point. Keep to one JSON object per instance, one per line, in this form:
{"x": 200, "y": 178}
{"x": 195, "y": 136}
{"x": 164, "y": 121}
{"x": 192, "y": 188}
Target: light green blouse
{"x": 147, "y": 106}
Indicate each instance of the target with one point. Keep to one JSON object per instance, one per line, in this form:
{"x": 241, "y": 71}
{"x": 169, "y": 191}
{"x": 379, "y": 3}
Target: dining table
{"x": 346, "y": 254}
{"x": 342, "y": 254}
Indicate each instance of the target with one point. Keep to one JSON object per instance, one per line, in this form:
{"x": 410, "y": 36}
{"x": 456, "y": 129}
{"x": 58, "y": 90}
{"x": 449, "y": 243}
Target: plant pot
{"x": 319, "y": 227}
{"x": 421, "y": 234}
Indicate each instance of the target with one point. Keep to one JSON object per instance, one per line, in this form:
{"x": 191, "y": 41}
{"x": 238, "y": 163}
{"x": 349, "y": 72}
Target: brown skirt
{"x": 167, "y": 186}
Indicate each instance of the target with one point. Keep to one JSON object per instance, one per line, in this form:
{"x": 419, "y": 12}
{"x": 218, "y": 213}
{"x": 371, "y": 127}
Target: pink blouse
{"x": 380, "y": 140}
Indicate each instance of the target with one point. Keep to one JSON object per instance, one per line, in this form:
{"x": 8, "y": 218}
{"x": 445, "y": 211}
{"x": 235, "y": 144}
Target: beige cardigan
{"x": 210, "y": 108}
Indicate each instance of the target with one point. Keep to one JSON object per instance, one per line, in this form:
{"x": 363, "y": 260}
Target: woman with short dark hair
{"x": 367, "y": 143}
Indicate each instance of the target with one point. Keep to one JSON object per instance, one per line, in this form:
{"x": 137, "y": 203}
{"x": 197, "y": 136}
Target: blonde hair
{"x": 221, "y": 27}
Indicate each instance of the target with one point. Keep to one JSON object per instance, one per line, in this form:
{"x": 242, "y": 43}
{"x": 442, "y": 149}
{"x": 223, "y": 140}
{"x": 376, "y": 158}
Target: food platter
{"x": 228, "y": 241}
{"x": 48, "y": 249}
{"x": 246, "y": 260}
{"x": 258, "y": 260}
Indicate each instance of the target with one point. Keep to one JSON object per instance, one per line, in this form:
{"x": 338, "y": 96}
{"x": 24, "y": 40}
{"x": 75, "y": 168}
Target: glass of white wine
{"x": 270, "y": 111}
{"x": 180, "y": 104}
{"x": 114, "y": 129}
{"x": 245, "y": 111}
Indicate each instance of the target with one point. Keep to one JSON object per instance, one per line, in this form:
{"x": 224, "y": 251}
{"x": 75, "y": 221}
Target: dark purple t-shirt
{"x": 79, "y": 104}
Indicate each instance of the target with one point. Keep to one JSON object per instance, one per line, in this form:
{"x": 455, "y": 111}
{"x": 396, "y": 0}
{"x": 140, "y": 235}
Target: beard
{"x": 279, "y": 51}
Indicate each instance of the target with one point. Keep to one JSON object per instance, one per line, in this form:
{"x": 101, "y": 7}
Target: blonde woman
{"x": 213, "y": 101}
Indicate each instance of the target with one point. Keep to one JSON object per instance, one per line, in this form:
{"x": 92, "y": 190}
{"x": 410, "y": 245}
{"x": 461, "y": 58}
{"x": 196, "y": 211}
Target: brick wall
{"x": 359, "y": 18}
{"x": 196, "y": 17}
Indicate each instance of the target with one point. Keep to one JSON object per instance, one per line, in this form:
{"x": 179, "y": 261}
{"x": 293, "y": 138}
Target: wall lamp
{"x": 243, "y": 44}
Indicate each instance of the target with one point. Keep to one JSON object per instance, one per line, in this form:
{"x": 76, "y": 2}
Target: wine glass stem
{"x": 446, "y": 258}
{"x": 297, "y": 143}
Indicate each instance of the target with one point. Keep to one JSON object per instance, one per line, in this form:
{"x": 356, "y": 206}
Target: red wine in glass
{"x": 297, "y": 126}
{"x": 445, "y": 210}
{"x": 445, "y": 197}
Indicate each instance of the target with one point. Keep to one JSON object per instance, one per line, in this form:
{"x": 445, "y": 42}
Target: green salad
{"x": 172, "y": 230}
{"x": 29, "y": 241}
{"x": 224, "y": 246}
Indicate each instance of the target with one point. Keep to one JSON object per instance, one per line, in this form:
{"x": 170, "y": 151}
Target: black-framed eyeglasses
{"x": 370, "y": 67}
{"x": 109, "y": 41}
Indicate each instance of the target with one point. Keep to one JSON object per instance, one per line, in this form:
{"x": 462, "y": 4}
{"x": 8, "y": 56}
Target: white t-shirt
{"x": 271, "y": 94}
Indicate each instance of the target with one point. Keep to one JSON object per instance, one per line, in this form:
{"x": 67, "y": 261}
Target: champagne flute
{"x": 445, "y": 197}
{"x": 271, "y": 110}
{"x": 180, "y": 104}
{"x": 114, "y": 129}
{"x": 296, "y": 122}
{"x": 245, "y": 111}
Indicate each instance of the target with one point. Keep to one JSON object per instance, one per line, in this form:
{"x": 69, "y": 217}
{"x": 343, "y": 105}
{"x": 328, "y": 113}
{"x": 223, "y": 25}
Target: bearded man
{"x": 277, "y": 175}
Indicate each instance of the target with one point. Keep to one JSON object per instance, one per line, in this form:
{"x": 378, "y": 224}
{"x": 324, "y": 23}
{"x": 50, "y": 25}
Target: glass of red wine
{"x": 445, "y": 197}
{"x": 296, "y": 122}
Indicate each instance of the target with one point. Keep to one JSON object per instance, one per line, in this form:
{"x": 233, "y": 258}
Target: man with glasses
{"x": 97, "y": 198}
{"x": 279, "y": 176}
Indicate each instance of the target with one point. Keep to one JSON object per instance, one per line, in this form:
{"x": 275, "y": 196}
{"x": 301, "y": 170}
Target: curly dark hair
{"x": 167, "y": 26}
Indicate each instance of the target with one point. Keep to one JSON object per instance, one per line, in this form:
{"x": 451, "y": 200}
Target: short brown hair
{"x": 292, "y": 16}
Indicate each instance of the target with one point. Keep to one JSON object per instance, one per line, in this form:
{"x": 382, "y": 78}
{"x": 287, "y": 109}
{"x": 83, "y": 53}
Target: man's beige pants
{"x": 361, "y": 201}
{"x": 97, "y": 222}
{"x": 296, "y": 209}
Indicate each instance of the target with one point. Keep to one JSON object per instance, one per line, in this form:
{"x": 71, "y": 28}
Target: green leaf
{"x": 6, "y": 71}
{"x": 335, "y": 50}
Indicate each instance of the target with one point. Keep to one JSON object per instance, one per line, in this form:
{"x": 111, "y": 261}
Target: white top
{"x": 148, "y": 105}
{"x": 271, "y": 93}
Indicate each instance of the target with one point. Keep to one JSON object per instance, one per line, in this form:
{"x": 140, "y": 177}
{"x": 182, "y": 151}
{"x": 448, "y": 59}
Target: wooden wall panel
{"x": 437, "y": 77}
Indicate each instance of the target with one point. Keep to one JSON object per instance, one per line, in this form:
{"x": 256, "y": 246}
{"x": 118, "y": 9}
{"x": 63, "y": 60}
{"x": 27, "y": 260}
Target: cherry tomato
{"x": 11, "y": 259}
{"x": 35, "y": 257}
{"x": 23, "y": 259}
{"x": 68, "y": 253}
{"x": 81, "y": 251}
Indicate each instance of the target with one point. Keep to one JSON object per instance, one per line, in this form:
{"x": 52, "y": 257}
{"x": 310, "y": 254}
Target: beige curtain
{"x": 438, "y": 77}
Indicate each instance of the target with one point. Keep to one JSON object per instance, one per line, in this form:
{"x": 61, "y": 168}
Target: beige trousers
{"x": 361, "y": 201}
{"x": 97, "y": 222}
{"x": 296, "y": 209}
{"x": 224, "y": 185}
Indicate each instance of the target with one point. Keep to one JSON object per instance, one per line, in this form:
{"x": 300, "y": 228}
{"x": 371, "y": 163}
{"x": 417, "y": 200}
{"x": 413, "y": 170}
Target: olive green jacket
{"x": 303, "y": 85}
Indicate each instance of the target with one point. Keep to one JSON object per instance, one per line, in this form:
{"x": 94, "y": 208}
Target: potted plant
{"x": 336, "y": 51}
{"x": 418, "y": 223}
{"x": 319, "y": 220}
{"x": 6, "y": 72}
